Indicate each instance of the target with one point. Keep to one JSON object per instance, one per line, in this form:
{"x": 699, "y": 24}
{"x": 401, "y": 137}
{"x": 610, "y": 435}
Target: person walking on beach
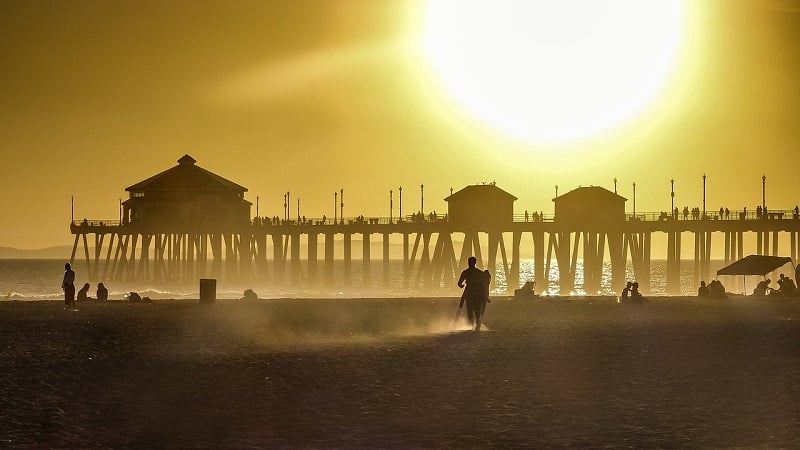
{"x": 68, "y": 285}
{"x": 474, "y": 292}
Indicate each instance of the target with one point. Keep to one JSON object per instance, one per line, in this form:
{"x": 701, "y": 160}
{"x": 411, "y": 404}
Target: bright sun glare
{"x": 553, "y": 70}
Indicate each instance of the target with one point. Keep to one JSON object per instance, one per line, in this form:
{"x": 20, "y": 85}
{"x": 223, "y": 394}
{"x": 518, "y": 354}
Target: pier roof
{"x": 590, "y": 191}
{"x": 474, "y": 190}
{"x": 186, "y": 176}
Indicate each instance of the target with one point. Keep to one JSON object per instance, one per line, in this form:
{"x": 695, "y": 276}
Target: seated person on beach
{"x": 626, "y": 292}
{"x": 83, "y": 293}
{"x": 786, "y": 287}
{"x": 790, "y": 287}
{"x": 762, "y": 288}
{"x": 702, "y": 291}
{"x": 716, "y": 289}
{"x": 102, "y": 292}
{"x": 637, "y": 296}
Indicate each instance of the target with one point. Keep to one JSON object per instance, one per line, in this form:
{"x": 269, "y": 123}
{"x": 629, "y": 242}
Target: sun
{"x": 553, "y": 70}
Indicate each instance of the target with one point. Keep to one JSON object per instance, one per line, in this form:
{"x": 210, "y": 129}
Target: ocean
{"x": 40, "y": 279}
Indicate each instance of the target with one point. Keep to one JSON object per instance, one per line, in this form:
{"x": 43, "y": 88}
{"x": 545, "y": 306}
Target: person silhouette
{"x": 83, "y": 293}
{"x": 474, "y": 292}
{"x": 102, "y": 292}
{"x": 637, "y": 296}
{"x": 68, "y": 285}
{"x": 703, "y": 291}
{"x": 626, "y": 292}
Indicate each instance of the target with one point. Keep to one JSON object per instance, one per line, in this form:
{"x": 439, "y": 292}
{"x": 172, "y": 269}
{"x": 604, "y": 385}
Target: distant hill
{"x": 57, "y": 252}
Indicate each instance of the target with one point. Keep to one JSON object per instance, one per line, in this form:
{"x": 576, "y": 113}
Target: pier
{"x": 179, "y": 244}
{"x": 433, "y": 252}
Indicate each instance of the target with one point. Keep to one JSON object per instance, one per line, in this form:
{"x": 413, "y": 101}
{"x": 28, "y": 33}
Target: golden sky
{"x": 315, "y": 96}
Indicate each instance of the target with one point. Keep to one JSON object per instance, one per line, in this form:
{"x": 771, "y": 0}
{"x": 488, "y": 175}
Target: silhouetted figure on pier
{"x": 759, "y": 212}
{"x": 102, "y": 292}
{"x": 83, "y": 293}
{"x": 727, "y": 213}
{"x": 796, "y": 213}
{"x": 474, "y": 292}
{"x": 68, "y": 285}
{"x": 702, "y": 291}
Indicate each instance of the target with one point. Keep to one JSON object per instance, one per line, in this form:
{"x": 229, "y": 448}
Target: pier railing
{"x": 743, "y": 215}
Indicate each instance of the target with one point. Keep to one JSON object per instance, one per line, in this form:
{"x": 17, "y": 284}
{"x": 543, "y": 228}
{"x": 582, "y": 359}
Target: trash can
{"x": 208, "y": 290}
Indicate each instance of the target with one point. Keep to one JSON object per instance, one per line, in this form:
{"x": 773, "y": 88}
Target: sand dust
{"x": 378, "y": 373}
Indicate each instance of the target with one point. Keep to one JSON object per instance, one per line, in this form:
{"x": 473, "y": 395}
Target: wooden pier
{"x": 187, "y": 223}
{"x": 433, "y": 252}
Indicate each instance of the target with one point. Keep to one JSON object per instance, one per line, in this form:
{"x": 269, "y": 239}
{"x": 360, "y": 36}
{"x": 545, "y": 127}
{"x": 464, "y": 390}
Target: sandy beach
{"x": 397, "y": 373}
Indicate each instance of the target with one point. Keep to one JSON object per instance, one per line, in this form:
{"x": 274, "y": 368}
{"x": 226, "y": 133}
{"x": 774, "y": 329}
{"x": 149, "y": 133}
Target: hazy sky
{"x": 315, "y": 96}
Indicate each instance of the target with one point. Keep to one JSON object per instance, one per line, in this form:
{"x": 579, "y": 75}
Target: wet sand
{"x": 395, "y": 373}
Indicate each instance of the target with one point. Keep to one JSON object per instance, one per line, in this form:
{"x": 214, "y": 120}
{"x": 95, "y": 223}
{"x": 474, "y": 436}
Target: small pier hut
{"x": 590, "y": 207}
{"x": 480, "y": 206}
{"x": 186, "y": 198}
{"x": 596, "y": 216}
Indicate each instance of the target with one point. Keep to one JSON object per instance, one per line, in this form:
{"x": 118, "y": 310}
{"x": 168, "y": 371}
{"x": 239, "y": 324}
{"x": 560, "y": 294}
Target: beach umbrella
{"x": 754, "y": 265}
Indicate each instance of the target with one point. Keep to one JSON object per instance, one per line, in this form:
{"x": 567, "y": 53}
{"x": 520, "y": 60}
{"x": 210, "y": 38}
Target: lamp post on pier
{"x": 257, "y": 206}
{"x": 672, "y": 198}
{"x": 615, "y": 185}
{"x": 298, "y": 209}
{"x": 341, "y": 204}
{"x": 400, "y": 216}
{"x": 391, "y": 206}
{"x": 422, "y": 199}
{"x": 634, "y": 200}
{"x": 71, "y": 208}
{"x": 763, "y": 192}
{"x": 704, "y": 196}
{"x": 335, "y": 206}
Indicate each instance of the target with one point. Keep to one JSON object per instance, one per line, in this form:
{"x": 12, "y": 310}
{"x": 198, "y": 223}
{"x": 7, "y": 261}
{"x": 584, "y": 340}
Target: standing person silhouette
{"x": 474, "y": 292}
{"x": 68, "y": 285}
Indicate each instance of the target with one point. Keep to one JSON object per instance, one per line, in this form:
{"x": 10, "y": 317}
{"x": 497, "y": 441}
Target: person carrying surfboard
{"x": 474, "y": 292}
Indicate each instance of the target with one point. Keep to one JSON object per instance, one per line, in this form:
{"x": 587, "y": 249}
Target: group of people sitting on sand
{"x": 68, "y": 286}
{"x": 786, "y": 288}
{"x": 715, "y": 289}
{"x": 101, "y": 294}
{"x": 631, "y": 293}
